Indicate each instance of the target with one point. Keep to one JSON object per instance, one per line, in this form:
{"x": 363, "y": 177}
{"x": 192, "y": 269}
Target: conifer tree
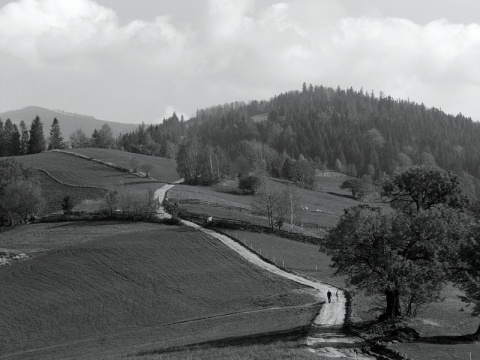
{"x": 7, "y": 137}
{"x": 15, "y": 142}
{"x": 36, "y": 143}
{"x": 25, "y": 137}
{"x": 2, "y": 140}
{"x": 56, "y": 139}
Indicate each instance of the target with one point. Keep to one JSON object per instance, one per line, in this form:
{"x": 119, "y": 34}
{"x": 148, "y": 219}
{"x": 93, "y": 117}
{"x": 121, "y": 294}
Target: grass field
{"x": 72, "y": 170}
{"x": 107, "y": 290}
{"x": 322, "y": 207}
{"x": 275, "y": 351}
{"x": 163, "y": 169}
{"x": 54, "y": 193}
{"x": 449, "y": 317}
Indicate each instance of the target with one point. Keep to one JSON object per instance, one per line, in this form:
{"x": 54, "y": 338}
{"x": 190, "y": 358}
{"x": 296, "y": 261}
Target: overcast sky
{"x": 138, "y": 60}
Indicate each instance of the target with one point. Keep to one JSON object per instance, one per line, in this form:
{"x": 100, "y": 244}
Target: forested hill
{"x": 351, "y": 131}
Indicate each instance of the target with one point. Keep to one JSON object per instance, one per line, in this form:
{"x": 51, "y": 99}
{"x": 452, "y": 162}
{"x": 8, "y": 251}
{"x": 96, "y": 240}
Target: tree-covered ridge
{"x": 376, "y": 134}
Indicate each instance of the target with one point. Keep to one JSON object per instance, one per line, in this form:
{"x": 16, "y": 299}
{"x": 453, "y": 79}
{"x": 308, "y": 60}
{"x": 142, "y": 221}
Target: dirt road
{"x": 326, "y": 339}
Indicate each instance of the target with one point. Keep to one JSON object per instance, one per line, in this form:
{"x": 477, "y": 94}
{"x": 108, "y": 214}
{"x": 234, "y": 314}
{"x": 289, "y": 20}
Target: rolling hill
{"x": 68, "y": 122}
{"x": 108, "y": 290}
{"x": 85, "y": 180}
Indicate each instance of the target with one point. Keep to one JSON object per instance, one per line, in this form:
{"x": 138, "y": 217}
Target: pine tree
{"x": 36, "y": 143}
{"x": 56, "y": 139}
{"x": 15, "y": 142}
{"x": 25, "y": 137}
{"x": 2, "y": 139}
{"x": 7, "y": 137}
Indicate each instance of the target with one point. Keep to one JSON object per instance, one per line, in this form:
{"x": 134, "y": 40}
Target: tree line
{"x": 15, "y": 141}
{"x": 354, "y": 132}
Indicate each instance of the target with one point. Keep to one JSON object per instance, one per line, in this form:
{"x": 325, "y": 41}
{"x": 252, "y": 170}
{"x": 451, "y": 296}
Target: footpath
{"x": 326, "y": 338}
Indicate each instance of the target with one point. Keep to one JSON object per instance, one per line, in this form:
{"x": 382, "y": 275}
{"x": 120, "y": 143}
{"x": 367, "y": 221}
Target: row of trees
{"x": 20, "y": 193}
{"x": 130, "y": 203}
{"x": 14, "y": 141}
{"x": 102, "y": 138}
{"x": 200, "y": 163}
{"x": 353, "y": 132}
{"x": 409, "y": 254}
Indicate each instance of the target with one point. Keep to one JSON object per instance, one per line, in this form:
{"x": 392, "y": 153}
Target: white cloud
{"x": 57, "y": 31}
{"x": 237, "y": 50}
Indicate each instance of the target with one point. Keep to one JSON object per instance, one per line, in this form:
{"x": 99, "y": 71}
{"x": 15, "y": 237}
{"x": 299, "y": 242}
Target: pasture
{"x": 75, "y": 171}
{"x": 54, "y": 193}
{"x": 321, "y": 208}
{"x": 450, "y": 317}
{"x": 108, "y": 290}
{"x": 164, "y": 169}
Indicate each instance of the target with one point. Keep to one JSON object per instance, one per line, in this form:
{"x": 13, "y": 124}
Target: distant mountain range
{"x": 69, "y": 122}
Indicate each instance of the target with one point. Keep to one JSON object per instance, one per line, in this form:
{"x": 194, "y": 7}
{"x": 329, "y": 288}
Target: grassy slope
{"x": 328, "y": 199}
{"x": 449, "y": 317}
{"x": 134, "y": 286}
{"x": 163, "y": 169}
{"x": 54, "y": 193}
{"x": 82, "y": 174}
{"x": 76, "y": 171}
{"x": 275, "y": 351}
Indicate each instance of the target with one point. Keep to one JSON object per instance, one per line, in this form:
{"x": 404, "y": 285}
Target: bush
{"x": 250, "y": 184}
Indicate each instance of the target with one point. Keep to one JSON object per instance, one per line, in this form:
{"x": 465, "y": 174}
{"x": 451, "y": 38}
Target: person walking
{"x": 336, "y": 294}
{"x": 329, "y": 296}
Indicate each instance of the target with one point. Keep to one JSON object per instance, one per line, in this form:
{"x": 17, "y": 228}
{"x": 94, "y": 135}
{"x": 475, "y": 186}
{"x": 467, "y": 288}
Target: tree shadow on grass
{"x": 87, "y": 223}
{"x": 350, "y": 197}
{"x": 450, "y": 339}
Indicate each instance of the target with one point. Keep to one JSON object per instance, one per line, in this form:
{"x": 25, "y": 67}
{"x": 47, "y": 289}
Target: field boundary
{"x": 226, "y": 223}
{"x": 106, "y": 163}
{"x": 66, "y": 184}
{"x": 267, "y": 337}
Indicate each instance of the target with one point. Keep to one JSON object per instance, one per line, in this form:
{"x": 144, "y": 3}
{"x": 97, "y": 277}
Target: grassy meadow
{"x": 85, "y": 181}
{"x": 288, "y": 350}
{"x": 106, "y": 290}
{"x": 164, "y": 169}
{"x": 54, "y": 192}
{"x": 75, "y": 171}
{"x": 321, "y": 207}
{"x": 449, "y": 317}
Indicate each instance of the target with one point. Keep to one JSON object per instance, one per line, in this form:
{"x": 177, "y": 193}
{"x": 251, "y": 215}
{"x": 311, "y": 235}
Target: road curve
{"x": 327, "y": 339}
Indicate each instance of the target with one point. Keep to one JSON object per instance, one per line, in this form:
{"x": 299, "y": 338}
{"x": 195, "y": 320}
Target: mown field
{"x": 54, "y": 193}
{"x": 321, "y": 207}
{"x": 73, "y": 170}
{"x": 289, "y": 350}
{"x": 449, "y": 317}
{"x": 164, "y": 169}
{"x": 85, "y": 181}
{"x": 109, "y": 290}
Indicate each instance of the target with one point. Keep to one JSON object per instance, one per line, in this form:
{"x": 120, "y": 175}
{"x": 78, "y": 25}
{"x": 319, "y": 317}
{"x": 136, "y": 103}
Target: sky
{"x": 139, "y": 60}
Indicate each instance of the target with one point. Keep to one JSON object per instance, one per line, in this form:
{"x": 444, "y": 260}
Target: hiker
{"x": 329, "y": 296}
{"x": 336, "y": 294}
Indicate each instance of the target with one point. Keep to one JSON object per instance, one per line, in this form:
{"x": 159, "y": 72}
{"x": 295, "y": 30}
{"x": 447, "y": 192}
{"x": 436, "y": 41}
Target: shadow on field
{"x": 341, "y": 195}
{"x": 86, "y": 223}
{"x": 449, "y": 340}
{"x": 265, "y": 338}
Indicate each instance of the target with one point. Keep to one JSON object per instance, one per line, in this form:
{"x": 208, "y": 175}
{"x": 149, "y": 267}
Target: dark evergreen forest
{"x": 350, "y": 131}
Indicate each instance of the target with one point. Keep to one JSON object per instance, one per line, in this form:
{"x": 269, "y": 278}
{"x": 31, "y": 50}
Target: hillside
{"x": 105, "y": 290}
{"x": 163, "y": 169}
{"x": 354, "y": 132}
{"x": 68, "y": 122}
{"x": 75, "y": 171}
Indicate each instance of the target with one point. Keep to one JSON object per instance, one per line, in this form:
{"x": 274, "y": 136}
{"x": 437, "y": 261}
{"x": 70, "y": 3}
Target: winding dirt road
{"x": 326, "y": 339}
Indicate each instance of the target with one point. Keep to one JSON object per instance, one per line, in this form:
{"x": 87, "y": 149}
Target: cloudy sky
{"x": 138, "y": 60}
